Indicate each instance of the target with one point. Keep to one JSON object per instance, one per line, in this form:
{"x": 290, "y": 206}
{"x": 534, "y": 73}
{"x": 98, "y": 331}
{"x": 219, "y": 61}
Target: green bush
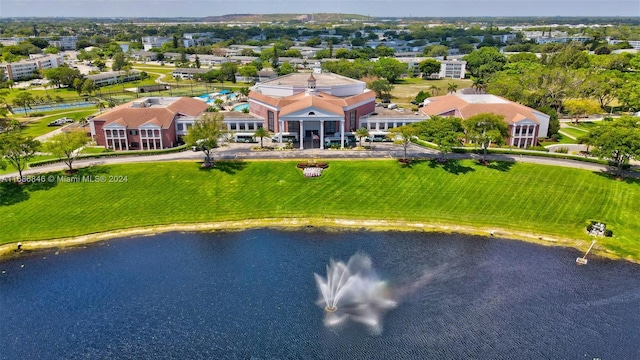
{"x": 562, "y": 150}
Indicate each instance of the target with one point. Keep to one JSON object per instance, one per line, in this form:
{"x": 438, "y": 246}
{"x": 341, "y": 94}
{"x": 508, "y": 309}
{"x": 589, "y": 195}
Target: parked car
{"x": 60, "y": 122}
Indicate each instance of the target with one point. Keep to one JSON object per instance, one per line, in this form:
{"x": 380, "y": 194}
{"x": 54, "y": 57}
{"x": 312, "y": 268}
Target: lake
{"x": 252, "y": 294}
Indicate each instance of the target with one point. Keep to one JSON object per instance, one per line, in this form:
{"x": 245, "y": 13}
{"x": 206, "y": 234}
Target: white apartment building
{"x": 113, "y": 77}
{"x": 25, "y": 69}
{"x": 452, "y": 69}
{"x": 634, "y": 43}
{"x": 150, "y": 42}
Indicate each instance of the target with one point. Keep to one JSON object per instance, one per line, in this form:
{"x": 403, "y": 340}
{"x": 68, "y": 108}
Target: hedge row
{"x": 114, "y": 154}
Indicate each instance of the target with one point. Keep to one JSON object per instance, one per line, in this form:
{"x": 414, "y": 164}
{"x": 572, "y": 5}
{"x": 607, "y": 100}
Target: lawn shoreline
{"x": 302, "y": 223}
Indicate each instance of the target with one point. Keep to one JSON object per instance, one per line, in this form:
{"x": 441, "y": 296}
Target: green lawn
{"x": 548, "y": 200}
{"x": 39, "y": 127}
{"x": 574, "y": 131}
{"x": 561, "y": 140}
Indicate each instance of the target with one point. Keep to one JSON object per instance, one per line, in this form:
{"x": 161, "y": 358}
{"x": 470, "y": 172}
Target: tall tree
{"x": 618, "y": 141}
{"x": 389, "y": 68}
{"x": 67, "y": 146}
{"x": 428, "y": 67}
{"x": 18, "y": 149}
{"x": 204, "y": 135}
{"x": 485, "y": 61}
{"x": 580, "y": 107}
{"x": 403, "y": 136}
{"x": 24, "y": 99}
{"x": 485, "y": 129}
{"x": 381, "y": 87}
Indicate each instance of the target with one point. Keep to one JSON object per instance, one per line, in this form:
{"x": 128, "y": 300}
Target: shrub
{"x": 562, "y": 150}
{"x": 608, "y": 233}
{"x": 590, "y": 227}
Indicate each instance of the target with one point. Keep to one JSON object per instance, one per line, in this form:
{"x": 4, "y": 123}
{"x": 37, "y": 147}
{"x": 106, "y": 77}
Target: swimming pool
{"x": 241, "y": 107}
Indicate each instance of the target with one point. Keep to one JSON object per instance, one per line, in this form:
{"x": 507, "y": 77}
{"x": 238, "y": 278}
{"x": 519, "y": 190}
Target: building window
{"x": 241, "y": 126}
{"x": 330, "y": 127}
{"x": 133, "y": 132}
{"x": 180, "y": 127}
{"x": 270, "y": 118}
{"x": 233, "y": 126}
{"x": 108, "y": 132}
{"x": 352, "y": 120}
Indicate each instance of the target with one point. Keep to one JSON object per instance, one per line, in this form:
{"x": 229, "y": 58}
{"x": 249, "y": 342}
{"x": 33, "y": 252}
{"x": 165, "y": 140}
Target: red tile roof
{"x": 302, "y": 100}
{"x": 467, "y": 106}
{"x": 163, "y": 116}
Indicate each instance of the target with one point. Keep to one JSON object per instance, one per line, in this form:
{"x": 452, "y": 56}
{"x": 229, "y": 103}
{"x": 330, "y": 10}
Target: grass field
{"x": 547, "y": 200}
{"x": 562, "y": 139}
{"x": 574, "y": 131}
{"x": 39, "y": 127}
{"x": 406, "y": 90}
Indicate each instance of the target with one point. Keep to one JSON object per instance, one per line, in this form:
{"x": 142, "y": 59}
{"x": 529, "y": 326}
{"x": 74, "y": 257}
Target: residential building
{"x": 525, "y": 124}
{"x": 187, "y": 73}
{"x": 452, "y": 69}
{"x": 635, "y": 44}
{"x": 146, "y": 123}
{"x": 114, "y": 77}
{"x": 150, "y": 42}
{"x": 27, "y": 69}
{"x": 61, "y": 42}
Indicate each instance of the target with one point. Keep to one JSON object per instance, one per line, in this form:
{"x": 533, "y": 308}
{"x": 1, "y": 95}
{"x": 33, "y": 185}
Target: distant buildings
{"x": 61, "y": 42}
{"x": 113, "y": 77}
{"x": 525, "y": 124}
{"x": 150, "y": 42}
{"x": 27, "y": 69}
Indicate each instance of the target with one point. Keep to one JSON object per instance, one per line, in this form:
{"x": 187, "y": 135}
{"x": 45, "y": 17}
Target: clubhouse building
{"x": 325, "y": 107}
{"x": 525, "y": 124}
{"x": 316, "y": 110}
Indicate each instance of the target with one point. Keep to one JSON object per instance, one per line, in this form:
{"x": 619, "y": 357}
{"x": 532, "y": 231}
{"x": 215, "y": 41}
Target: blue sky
{"x": 378, "y": 8}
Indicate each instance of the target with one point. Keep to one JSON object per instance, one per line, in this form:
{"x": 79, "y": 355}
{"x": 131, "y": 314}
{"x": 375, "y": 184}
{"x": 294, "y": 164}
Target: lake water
{"x": 252, "y": 294}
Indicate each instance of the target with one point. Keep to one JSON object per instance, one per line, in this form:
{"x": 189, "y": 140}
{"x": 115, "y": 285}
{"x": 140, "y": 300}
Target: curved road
{"x": 380, "y": 151}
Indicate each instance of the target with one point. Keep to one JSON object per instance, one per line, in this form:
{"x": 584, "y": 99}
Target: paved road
{"x": 380, "y": 151}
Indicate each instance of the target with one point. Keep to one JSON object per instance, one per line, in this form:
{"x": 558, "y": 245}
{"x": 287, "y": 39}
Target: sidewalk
{"x": 380, "y": 151}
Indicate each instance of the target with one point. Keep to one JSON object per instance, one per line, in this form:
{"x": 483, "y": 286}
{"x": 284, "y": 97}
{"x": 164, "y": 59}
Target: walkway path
{"x": 380, "y": 151}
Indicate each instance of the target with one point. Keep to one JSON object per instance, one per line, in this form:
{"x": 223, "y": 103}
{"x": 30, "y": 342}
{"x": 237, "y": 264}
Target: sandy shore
{"x": 297, "y": 223}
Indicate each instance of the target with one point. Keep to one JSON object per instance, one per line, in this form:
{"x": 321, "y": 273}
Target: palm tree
{"x": 262, "y": 133}
{"x": 24, "y": 99}
{"x": 363, "y": 132}
{"x": 478, "y": 83}
{"x": 435, "y": 91}
{"x": 452, "y": 87}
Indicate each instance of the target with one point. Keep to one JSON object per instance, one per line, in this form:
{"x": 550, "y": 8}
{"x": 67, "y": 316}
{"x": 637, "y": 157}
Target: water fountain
{"x": 353, "y": 290}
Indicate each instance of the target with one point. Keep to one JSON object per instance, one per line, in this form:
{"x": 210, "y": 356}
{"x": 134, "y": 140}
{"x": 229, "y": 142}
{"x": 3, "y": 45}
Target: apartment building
{"x": 27, "y": 69}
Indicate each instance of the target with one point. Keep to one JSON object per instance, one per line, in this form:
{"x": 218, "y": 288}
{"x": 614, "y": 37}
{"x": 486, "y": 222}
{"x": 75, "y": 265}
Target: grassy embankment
{"x": 553, "y": 202}
{"x": 406, "y": 90}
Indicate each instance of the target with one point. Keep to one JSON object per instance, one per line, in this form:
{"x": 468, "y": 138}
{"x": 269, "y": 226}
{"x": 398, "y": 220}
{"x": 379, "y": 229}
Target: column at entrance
{"x": 342, "y": 134}
{"x": 321, "y": 134}
{"x": 280, "y": 126}
{"x": 301, "y": 135}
